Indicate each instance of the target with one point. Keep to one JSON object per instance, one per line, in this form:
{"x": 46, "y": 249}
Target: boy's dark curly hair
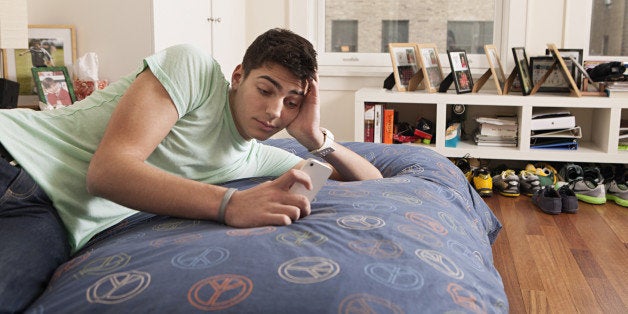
{"x": 283, "y": 47}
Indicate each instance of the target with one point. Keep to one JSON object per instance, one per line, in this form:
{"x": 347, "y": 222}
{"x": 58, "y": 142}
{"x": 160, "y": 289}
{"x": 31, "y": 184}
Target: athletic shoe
{"x": 464, "y": 166}
{"x": 568, "y": 199}
{"x": 593, "y": 174}
{"x": 483, "y": 182}
{"x": 528, "y": 183}
{"x": 546, "y": 173}
{"x": 617, "y": 192}
{"x": 507, "y": 183}
{"x": 571, "y": 172}
{"x": 548, "y": 200}
{"x": 587, "y": 191}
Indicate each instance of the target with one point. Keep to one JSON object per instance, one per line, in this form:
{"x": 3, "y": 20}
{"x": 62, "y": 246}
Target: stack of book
{"x": 617, "y": 89}
{"x": 378, "y": 123}
{"x": 500, "y": 131}
{"x": 555, "y": 129}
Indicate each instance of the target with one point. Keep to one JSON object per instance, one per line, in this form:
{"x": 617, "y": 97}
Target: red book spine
{"x": 389, "y": 125}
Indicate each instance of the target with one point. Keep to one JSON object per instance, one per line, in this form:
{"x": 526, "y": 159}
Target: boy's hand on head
{"x": 306, "y": 126}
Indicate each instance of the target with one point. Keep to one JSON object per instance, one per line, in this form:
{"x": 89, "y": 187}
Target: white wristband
{"x": 223, "y": 204}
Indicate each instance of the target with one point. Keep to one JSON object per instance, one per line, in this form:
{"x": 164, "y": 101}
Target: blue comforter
{"x": 417, "y": 241}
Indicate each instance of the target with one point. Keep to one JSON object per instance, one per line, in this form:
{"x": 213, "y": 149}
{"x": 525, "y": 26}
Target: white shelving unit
{"x": 599, "y": 118}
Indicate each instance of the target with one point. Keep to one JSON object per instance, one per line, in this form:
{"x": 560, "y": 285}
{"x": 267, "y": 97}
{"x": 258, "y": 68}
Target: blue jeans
{"x": 33, "y": 240}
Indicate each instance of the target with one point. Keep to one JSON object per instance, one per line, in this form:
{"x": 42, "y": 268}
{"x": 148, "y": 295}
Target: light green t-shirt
{"x": 56, "y": 146}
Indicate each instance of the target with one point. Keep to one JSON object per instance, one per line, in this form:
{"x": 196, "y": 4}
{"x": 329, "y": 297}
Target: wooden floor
{"x": 565, "y": 263}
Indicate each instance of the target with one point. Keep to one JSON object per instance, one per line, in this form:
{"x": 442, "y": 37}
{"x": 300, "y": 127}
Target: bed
{"x": 417, "y": 241}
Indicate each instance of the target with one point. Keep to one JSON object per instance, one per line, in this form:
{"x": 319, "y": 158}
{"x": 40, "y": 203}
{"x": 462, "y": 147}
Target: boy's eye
{"x": 263, "y": 91}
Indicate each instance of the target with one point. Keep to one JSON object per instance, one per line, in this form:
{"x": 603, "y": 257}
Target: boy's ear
{"x": 237, "y": 76}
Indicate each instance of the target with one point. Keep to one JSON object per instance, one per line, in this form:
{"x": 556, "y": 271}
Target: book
{"x": 379, "y": 119}
{"x": 389, "y": 126}
{"x": 498, "y": 120}
{"x": 498, "y": 130}
{"x": 369, "y": 122}
{"x": 568, "y": 145}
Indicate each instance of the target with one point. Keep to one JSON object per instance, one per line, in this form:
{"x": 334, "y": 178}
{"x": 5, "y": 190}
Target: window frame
{"x": 303, "y": 15}
{"x": 308, "y": 19}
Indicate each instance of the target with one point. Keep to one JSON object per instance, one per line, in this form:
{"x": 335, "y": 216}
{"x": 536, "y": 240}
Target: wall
{"x": 122, "y": 37}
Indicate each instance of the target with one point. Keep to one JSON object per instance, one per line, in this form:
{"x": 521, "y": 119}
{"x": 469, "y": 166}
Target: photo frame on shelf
{"x": 50, "y": 45}
{"x": 54, "y": 86}
{"x": 560, "y": 64}
{"x": 522, "y": 69}
{"x": 404, "y": 57}
{"x": 578, "y": 55}
{"x": 430, "y": 66}
{"x": 495, "y": 71}
{"x": 555, "y": 82}
{"x": 460, "y": 71}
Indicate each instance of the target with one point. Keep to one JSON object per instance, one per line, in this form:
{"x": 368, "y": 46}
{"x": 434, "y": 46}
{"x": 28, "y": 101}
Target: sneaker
{"x": 593, "y": 174}
{"x": 507, "y": 183}
{"x": 568, "y": 199}
{"x": 546, "y": 173}
{"x": 483, "y": 182}
{"x": 571, "y": 172}
{"x": 528, "y": 183}
{"x": 587, "y": 191}
{"x": 548, "y": 200}
{"x": 464, "y": 166}
{"x": 617, "y": 192}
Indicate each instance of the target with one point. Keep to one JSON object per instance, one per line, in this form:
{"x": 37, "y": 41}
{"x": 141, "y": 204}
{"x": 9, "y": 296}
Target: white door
{"x": 216, "y": 26}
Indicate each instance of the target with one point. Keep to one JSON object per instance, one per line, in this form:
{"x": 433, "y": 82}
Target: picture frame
{"x": 404, "y": 57}
{"x": 577, "y": 54}
{"x": 460, "y": 71}
{"x": 562, "y": 67}
{"x": 59, "y": 41}
{"x": 54, "y": 86}
{"x": 523, "y": 69}
{"x": 496, "y": 71}
{"x": 555, "y": 82}
{"x": 430, "y": 66}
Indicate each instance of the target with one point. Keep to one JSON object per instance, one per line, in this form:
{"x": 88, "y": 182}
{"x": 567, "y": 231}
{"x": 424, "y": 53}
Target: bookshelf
{"x": 599, "y": 118}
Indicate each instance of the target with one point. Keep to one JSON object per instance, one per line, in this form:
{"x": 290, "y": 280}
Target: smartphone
{"x": 318, "y": 172}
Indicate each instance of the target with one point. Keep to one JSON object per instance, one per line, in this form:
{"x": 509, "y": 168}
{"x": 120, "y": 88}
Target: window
{"x": 609, "y": 28}
{"x": 366, "y": 27}
{"x": 344, "y": 36}
{"x": 393, "y": 32}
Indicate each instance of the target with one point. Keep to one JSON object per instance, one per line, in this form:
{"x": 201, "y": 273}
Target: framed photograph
{"x": 430, "y": 66}
{"x": 562, "y": 67}
{"x": 54, "y": 86}
{"x": 404, "y": 59}
{"x": 460, "y": 70}
{"x": 495, "y": 71}
{"x": 555, "y": 82}
{"x": 577, "y": 54}
{"x": 49, "y": 45}
{"x": 523, "y": 68}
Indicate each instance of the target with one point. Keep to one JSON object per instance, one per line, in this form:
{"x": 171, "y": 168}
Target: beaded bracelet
{"x": 223, "y": 204}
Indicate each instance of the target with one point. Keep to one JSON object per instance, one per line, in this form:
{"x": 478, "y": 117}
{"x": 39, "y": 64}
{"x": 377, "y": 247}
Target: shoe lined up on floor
{"x": 483, "y": 182}
{"x": 546, "y": 173}
{"x": 548, "y": 200}
{"x": 593, "y": 184}
{"x": 588, "y": 188}
{"x": 529, "y": 183}
{"x": 569, "y": 201}
{"x": 507, "y": 183}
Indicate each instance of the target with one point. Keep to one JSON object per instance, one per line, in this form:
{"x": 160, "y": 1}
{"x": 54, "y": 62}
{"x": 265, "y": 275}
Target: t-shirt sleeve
{"x": 188, "y": 74}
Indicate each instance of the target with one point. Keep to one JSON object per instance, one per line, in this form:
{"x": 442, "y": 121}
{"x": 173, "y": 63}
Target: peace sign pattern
{"x": 417, "y": 240}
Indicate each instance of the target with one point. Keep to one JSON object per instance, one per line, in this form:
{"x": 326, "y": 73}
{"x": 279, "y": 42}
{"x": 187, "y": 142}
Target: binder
{"x": 575, "y": 132}
{"x": 553, "y": 123}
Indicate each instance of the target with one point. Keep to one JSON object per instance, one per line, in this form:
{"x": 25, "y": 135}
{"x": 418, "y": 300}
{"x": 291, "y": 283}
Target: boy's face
{"x": 266, "y": 101}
